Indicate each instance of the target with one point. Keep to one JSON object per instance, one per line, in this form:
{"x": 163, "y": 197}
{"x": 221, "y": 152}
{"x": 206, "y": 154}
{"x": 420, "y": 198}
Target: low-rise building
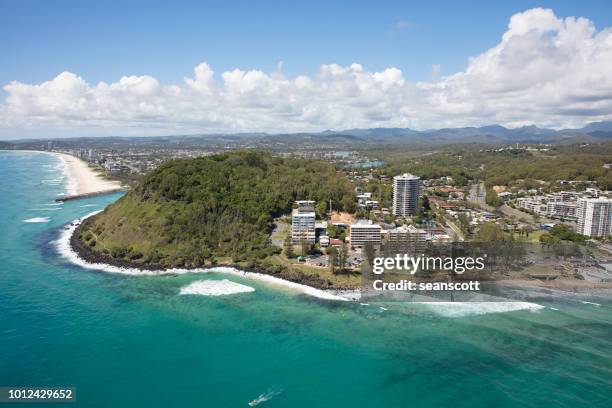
{"x": 365, "y": 231}
{"x": 336, "y": 243}
{"x": 504, "y": 195}
{"x": 561, "y": 209}
{"x": 324, "y": 241}
{"x": 406, "y": 239}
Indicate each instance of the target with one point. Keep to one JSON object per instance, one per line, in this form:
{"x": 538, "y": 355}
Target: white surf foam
{"x": 71, "y": 185}
{"x": 460, "y": 309}
{"x": 215, "y": 288}
{"x": 64, "y": 248}
{"x": 53, "y": 182}
{"x": 264, "y": 397}
{"x": 584, "y": 302}
{"x": 37, "y": 219}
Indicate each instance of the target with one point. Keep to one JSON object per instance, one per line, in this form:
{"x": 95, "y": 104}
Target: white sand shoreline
{"x": 82, "y": 179}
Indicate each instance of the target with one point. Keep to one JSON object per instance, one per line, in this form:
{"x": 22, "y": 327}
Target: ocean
{"x": 136, "y": 341}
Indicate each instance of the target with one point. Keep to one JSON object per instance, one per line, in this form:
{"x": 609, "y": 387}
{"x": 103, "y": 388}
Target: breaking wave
{"x": 461, "y": 309}
{"x": 65, "y": 249}
{"x": 215, "y": 288}
{"x": 37, "y": 219}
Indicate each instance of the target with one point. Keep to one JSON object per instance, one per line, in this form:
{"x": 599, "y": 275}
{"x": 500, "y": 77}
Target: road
{"x": 519, "y": 215}
{"x": 477, "y": 196}
{"x": 455, "y": 229}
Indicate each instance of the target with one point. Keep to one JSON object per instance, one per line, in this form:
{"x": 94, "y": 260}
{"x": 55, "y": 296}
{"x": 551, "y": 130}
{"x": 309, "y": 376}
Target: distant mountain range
{"x": 492, "y": 134}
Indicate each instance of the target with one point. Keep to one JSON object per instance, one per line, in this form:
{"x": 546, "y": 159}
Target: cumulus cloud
{"x": 545, "y": 70}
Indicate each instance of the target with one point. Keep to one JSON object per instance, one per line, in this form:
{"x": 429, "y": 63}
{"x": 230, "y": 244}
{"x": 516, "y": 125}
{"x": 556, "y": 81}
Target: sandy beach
{"x": 83, "y": 179}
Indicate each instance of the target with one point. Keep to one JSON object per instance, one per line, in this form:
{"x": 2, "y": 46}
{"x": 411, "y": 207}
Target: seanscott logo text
{"x": 427, "y": 263}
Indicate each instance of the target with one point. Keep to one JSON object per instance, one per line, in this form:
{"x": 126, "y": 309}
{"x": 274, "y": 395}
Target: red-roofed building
{"x": 336, "y": 242}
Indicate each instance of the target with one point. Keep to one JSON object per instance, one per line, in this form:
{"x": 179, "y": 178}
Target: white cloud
{"x": 545, "y": 70}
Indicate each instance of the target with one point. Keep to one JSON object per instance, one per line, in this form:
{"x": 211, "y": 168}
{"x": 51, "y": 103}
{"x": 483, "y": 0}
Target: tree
{"x": 426, "y": 205}
{"x": 565, "y": 233}
{"x": 288, "y": 247}
{"x": 305, "y": 247}
{"x": 322, "y": 208}
{"x": 527, "y": 229}
{"x": 492, "y": 199}
{"x": 464, "y": 222}
{"x": 490, "y": 232}
{"x": 368, "y": 250}
{"x": 548, "y": 239}
{"x": 332, "y": 255}
{"x": 343, "y": 255}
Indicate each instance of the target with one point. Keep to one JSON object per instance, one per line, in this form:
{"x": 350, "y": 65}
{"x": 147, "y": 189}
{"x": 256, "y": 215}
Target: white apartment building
{"x": 594, "y": 216}
{"x": 406, "y": 239}
{"x": 363, "y": 232}
{"x": 560, "y": 205}
{"x": 406, "y": 190}
{"x": 303, "y": 223}
{"x": 561, "y": 209}
{"x": 535, "y": 204}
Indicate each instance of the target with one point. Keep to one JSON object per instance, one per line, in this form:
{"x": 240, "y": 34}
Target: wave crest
{"x": 215, "y": 288}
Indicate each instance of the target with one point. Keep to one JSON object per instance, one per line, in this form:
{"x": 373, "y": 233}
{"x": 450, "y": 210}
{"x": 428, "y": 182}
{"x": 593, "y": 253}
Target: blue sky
{"x": 104, "y": 40}
{"x": 411, "y": 54}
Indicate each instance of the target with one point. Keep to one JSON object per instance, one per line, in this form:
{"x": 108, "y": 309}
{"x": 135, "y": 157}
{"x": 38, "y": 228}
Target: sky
{"x": 73, "y": 68}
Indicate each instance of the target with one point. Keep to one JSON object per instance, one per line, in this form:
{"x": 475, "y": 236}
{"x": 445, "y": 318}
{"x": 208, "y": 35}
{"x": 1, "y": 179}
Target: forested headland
{"x": 196, "y": 212}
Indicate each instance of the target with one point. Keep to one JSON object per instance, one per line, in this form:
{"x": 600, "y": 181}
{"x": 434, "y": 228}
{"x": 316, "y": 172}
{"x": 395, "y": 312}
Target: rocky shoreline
{"x": 85, "y": 252}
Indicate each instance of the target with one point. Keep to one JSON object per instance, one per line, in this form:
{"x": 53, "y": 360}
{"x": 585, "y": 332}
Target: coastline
{"x": 82, "y": 179}
{"x": 68, "y": 246}
{"x": 78, "y": 253}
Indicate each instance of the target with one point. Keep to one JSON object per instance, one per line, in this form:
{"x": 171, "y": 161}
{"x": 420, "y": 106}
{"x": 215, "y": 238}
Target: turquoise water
{"x": 126, "y": 341}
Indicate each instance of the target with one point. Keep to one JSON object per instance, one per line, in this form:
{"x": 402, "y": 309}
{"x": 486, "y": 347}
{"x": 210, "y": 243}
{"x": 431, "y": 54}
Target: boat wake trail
{"x": 264, "y": 397}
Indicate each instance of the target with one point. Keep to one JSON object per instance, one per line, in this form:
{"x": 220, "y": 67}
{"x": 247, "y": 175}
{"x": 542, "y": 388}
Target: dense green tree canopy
{"x": 188, "y": 212}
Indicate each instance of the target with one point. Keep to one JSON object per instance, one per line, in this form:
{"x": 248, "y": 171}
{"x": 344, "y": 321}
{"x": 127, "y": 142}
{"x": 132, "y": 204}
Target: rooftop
{"x": 406, "y": 176}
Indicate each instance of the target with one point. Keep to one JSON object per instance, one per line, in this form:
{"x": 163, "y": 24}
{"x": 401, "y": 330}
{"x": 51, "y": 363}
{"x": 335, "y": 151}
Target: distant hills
{"x": 491, "y": 134}
{"x": 483, "y": 134}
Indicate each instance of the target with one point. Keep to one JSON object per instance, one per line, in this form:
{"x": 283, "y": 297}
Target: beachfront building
{"x": 303, "y": 223}
{"x": 536, "y": 204}
{"x": 561, "y": 209}
{"x": 594, "y": 216}
{"x": 365, "y": 231}
{"x": 406, "y": 190}
{"x": 561, "y": 205}
{"x": 406, "y": 239}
